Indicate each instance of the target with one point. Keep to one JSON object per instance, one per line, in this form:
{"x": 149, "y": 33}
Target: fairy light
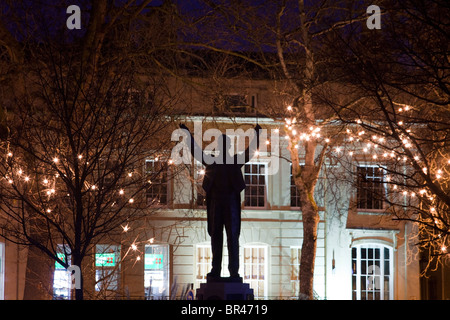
{"x": 131, "y": 200}
{"x": 55, "y": 160}
{"x": 121, "y": 192}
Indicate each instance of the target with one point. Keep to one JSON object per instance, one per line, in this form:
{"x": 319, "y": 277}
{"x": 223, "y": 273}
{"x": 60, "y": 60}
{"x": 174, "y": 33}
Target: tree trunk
{"x": 310, "y": 218}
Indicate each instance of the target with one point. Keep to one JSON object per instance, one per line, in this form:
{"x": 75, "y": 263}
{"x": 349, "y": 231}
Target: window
{"x": 156, "y": 271}
{"x": 107, "y": 268}
{"x": 256, "y": 269}
{"x": 372, "y": 271}
{"x": 295, "y": 193}
{"x": 157, "y": 192}
{"x": 203, "y": 263}
{"x": 295, "y": 270}
{"x": 255, "y": 180}
{"x": 238, "y": 103}
{"x": 2, "y": 270}
{"x": 371, "y": 190}
{"x": 200, "y": 195}
{"x": 62, "y": 280}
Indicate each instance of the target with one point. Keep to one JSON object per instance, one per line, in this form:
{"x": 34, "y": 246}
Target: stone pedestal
{"x": 224, "y": 289}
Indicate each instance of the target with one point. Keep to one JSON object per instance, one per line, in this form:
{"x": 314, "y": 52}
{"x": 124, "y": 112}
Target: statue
{"x": 223, "y": 183}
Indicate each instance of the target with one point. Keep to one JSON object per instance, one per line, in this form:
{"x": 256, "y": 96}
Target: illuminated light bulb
{"x": 277, "y": 130}
{"x": 413, "y": 194}
{"x": 80, "y": 156}
{"x": 327, "y": 140}
{"x": 151, "y": 240}
{"x": 130, "y": 174}
{"x": 444, "y": 249}
{"x": 52, "y": 190}
{"x": 405, "y": 193}
{"x": 20, "y": 171}
{"x": 126, "y": 228}
{"x": 424, "y": 170}
{"x": 138, "y": 258}
{"x": 385, "y": 155}
{"x": 131, "y": 200}
{"x": 422, "y": 191}
{"x": 448, "y": 161}
{"x": 93, "y": 187}
{"x": 156, "y": 159}
{"x": 49, "y": 210}
{"x": 288, "y": 121}
{"x": 400, "y": 123}
{"x": 202, "y": 171}
{"x": 45, "y": 181}
{"x": 365, "y": 150}
{"x": 307, "y": 138}
{"x": 311, "y": 128}
{"x": 318, "y": 135}
{"x": 374, "y": 137}
{"x": 351, "y": 153}
{"x": 134, "y": 247}
{"x": 256, "y": 153}
{"x": 27, "y": 179}
{"x": 338, "y": 149}
{"x": 296, "y": 146}
{"x": 267, "y": 142}
{"x": 121, "y": 191}
{"x": 374, "y": 156}
{"x": 361, "y": 133}
{"x": 433, "y": 209}
{"x": 289, "y": 108}
{"x": 286, "y": 137}
{"x": 170, "y": 161}
{"x": 358, "y": 121}
{"x": 439, "y": 171}
{"x": 294, "y": 132}
{"x": 9, "y": 154}
{"x": 351, "y": 139}
{"x": 49, "y": 192}
{"x": 400, "y": 109}
{"x": 10, "y": 181}
{"x": 395, "y": 187}
{"x": 416, "y": 158}
{"x": 55, "y": 160}
{"x": 406, "y": 108}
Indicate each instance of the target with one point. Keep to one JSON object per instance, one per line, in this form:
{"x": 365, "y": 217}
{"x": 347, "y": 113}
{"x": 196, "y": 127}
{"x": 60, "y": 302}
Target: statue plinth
{"x": 224, "y": 288}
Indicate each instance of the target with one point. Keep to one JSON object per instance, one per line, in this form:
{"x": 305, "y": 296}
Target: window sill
{"x": 371, "y": 212}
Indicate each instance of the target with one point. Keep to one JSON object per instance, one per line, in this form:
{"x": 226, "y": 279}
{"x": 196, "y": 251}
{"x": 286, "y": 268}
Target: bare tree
{"x": 400, "y": 115}
{"x": 79, "y": 118}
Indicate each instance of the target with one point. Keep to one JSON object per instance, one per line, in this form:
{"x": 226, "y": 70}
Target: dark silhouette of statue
{"x": 223, "y": 183}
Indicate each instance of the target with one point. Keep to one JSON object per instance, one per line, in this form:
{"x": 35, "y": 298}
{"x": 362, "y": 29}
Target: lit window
{"x": 372, "y": 272}
{"x": 156, "y": 271}
{"x": 255, "y": 180}
{"x": 107, "y": 268}
{"x": 157, "y": 191}
{"x": 62, "y": 280}
{"x": 371, "y": 191}
{"x": 256, "y": 269}
{"x": 203, "y": 263}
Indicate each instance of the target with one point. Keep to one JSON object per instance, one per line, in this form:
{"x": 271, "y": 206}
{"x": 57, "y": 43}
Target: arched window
{"x": 372, "y": 272}
{"x": 256, "y": 268}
